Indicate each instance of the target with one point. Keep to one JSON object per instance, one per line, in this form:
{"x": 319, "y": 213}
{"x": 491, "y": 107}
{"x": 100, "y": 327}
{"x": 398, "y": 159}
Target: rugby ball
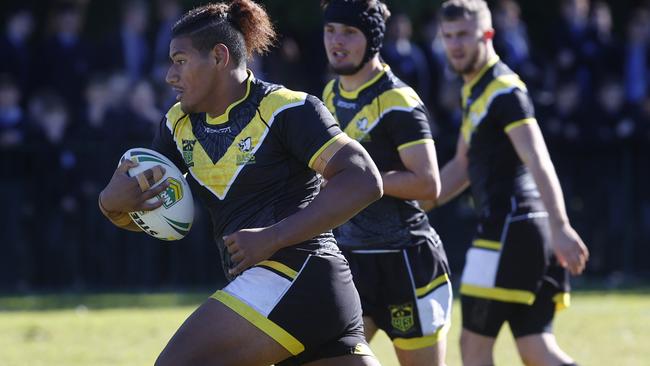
{"x": 172, "y": 220}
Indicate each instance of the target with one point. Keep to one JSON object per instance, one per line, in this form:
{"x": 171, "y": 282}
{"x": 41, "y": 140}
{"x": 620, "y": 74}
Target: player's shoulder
{"x": 174, "y": 115}
{"x": 503, "y": 78}
{"x": 277, "y": 96}
{"x": 329, "y": 88}
{"x": 401, "y": 95}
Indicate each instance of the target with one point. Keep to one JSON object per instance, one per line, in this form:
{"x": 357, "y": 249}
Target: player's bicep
{"x": 420, "y": 158}
{"x": 528, "y": 142}
{"x": 351, "y": 156}
{"x": 321, "y": 158}
{"x": 462, "y": 148}
{"x": 310, "y": 133}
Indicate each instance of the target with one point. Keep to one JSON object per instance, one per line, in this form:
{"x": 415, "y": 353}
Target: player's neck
{"x": 489, "y": 55}
{"x": 367, "y": 72}
{"x": 233, "y": 89}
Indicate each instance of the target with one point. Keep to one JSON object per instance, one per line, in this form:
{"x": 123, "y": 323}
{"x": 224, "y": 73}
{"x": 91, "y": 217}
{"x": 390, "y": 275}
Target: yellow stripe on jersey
{"x": 410, "y": 344}
{"x": 497, "y": 293}
{"x": 413, "y": 143}
{"x": 282, "y": 268}
{"x": 399, "y": 99}
{"x": 516, "y": 124}
{"x": 487, "y": 244}
{"x": 289, "y": 342}
{"x": 421, "y": 291}
{"x": 218, "y": 177}
{"x": 478, "y": 109}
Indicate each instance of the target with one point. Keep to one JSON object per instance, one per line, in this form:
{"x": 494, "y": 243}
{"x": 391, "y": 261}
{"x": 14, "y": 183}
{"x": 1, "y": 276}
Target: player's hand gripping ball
{"x": 173, "y": 219}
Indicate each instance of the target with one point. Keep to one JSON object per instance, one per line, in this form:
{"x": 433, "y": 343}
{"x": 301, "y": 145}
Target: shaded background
{"x": 82, "y": 81}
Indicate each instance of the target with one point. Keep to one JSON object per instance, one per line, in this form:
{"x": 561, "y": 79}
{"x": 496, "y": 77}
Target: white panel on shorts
{"x": 260, "y": 288}
{"x": 481, "y": 267}
{"x": 434, "y": 309}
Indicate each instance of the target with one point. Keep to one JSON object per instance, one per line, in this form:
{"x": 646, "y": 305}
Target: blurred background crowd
{"x": 82, "y": 81}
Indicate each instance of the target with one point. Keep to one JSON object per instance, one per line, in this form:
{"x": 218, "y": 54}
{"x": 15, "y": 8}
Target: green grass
{"x": 600, "y": 328}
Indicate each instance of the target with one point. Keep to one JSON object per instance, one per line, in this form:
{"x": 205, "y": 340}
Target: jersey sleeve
{"x": 164, "y": 143}
{"x": 308, "y": 130}
{"x": 408, "y": 128}
{"x": 513, "y": 109}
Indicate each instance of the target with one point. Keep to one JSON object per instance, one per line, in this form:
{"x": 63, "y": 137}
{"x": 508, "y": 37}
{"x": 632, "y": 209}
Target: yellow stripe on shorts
{"x": 419, "y": 292}
{"x": 410, "y": 344}
{"x": 487, "y": 244}
{"x": 280, "y": 268}
{"x": 289, "y": 342}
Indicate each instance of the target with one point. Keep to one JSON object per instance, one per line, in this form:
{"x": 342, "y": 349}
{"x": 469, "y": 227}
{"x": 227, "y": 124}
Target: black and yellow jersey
{"x": 251, "y": 166}
{"x": 385, "y": 116}
{"x": 493, "y": 103}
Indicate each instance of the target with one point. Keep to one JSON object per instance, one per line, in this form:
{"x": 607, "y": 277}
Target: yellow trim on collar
{"x": 467, "y": 88}
{"x": 223, "y": 118}
{"x": 353, "y": 94}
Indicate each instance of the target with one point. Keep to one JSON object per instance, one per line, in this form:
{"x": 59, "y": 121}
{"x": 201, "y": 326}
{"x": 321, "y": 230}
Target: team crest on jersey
{"x": 245, "y": 148}
{"x": 362, "y": 124}
{"x": 401, "y": 316}
{"x": 188, "y": 152}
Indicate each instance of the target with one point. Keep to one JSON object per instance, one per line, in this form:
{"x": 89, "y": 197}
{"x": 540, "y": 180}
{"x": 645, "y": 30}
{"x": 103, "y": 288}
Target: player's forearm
{"x": 408, "y": 185}
{"x": 550, "y": 190}
{"x": 119, "y": 219}
{"x": 454, "y": 180}
{"x": 345, "y": 194}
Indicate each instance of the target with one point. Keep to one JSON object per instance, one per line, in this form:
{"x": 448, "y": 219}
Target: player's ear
{"x": 221, "y": 55}
{"x": 488, "y": 34}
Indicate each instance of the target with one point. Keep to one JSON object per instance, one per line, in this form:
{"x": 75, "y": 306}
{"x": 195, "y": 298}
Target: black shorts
{"x": 511, "y": 270}
{"x": 485, "y": 317}
{"x": 406, "y": 292}
{"x": 310, "y": 306}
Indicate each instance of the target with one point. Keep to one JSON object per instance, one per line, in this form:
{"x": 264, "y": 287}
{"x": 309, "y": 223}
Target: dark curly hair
{"x": 242, "y": 25}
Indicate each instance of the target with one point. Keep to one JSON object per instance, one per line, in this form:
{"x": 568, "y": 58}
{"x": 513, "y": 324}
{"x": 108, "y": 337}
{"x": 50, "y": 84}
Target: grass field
{"x": 601, "y": 328}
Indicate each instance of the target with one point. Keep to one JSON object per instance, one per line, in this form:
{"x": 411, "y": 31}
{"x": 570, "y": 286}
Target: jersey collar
{"x": 467, "y": 88}
{"x": 223, "y": 118}
{"x": 355, "y": 93}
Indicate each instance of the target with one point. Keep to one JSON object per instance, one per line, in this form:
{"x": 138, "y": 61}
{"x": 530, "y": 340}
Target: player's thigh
{"x": 476, "y": 349}
{"x": 541, "y": 349}
{"x": 216, "y": 335}
{"x": 433, "y": 355}
{"x": 369, "y": 328}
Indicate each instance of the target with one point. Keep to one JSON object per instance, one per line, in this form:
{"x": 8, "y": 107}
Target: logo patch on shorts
{"x": 401, "y": 316}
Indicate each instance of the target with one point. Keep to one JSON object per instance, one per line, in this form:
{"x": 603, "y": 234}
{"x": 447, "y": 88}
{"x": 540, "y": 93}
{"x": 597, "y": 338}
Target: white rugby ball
{"x": 172, "y": 220}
